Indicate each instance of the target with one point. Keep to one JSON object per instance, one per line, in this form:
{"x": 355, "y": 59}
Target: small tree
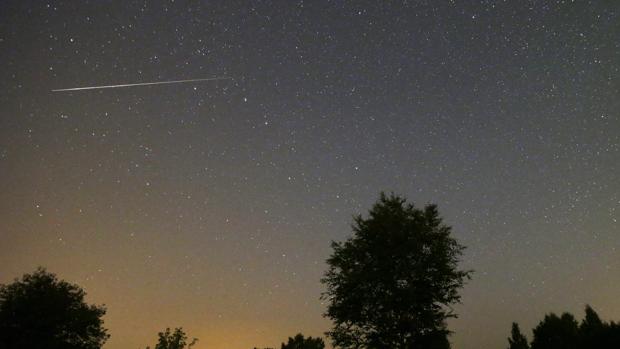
{"x": 173, "y": 340}
{"x": 391, "y": 285}
{"x": 299, "y": 342}
{"x": 39, "y": 311}
{"x": 517, "y": 340}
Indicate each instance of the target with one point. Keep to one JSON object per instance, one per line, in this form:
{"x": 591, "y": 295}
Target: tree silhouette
{"x": 173, "y": 340}
{"x": 517, "y": 340}
{"x": 391, "y": 284}
{"x": 612, "y": 336}
{"x": 299, "y": 342}
{"x": 565, "y": 333}
{"x": 592, "y": 330}
{"x": 41, "y": 312}
{"x": 556, "y": 332}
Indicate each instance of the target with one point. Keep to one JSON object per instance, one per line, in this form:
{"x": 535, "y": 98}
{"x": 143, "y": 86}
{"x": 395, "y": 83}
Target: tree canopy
{"x": 300, "y": 342}
{"x": 176, "y": 339}
{"x": 556, "y": 332}
{"x": 39, "y": 311}
{"x": 391, "y": 284}
{"x": 564, "y": 332}
{"x": 517, "y": 340}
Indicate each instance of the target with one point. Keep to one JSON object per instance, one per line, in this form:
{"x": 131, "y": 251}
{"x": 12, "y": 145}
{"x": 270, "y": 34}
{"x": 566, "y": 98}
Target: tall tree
{"x": 300, "y": 342}
{"x": 517, "y": 340}
{"x": 173, "y": 340}
{"x": 392, "y": 283}
{"x": 41, "y": 312}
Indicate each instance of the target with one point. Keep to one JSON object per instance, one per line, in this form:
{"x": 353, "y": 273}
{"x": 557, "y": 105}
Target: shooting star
{"x": 137, "y": 84}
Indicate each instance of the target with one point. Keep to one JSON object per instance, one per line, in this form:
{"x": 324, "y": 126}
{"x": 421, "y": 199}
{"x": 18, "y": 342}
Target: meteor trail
{"x": 137, "y": 84}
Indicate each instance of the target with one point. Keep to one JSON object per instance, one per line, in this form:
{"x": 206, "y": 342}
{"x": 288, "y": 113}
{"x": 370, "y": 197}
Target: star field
{"x": 211, "y": 205}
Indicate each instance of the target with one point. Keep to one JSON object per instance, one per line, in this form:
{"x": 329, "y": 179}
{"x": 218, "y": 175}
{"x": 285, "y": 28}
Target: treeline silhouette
{"x": 564, "y": 332}
{"x": 301, "y": 342}
{"x": 39, "y": 311}
{"x": 391, "y": 285}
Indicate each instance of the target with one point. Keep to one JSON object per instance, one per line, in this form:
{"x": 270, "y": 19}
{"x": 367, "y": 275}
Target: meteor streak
{"x": 137, "y": 84}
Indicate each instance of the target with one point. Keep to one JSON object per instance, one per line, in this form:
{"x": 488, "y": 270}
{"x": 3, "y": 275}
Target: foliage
{"x": 39, "y": 311}
{"x": 391, "y": 284}
{"x": 592, "y": 330}
{"x": 299, "y": 342}
{"x": 517, "y": 340}
{"x": 556, "y": 332}
{"x": 564, "y": 332}
{"x": 174, "y": 340}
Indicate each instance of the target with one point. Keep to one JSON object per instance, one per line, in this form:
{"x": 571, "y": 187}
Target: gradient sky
{"x": 211, "y": 205}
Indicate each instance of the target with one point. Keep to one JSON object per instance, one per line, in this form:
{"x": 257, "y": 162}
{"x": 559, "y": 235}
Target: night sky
{"x": 211, "y": 205}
